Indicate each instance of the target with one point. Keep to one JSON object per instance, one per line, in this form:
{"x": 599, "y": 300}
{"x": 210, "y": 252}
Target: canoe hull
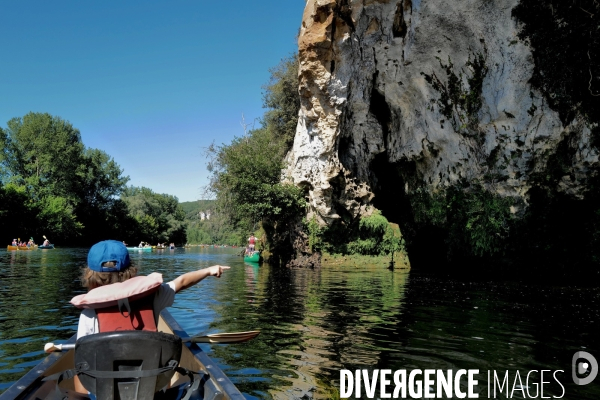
{"x": 50, "y": 246}
{"x": 254, "y": 257}
{"x": 27, "y": 248}
{"x": 30, "y": 386}
{"x": 9, "y": 247}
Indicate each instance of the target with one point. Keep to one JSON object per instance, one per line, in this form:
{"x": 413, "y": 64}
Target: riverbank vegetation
{"x": 246, "y": 174}
{"x": 205, "y": 226}
{"x": 52, "y": 184}
{"x": 246, "y": 179}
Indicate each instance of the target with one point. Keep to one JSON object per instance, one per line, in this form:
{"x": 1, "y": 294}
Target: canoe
{"x": 42, "y": 247}
{"x": 28, "y": 248}
{"x": 9, "y": 247}
{"x": 139, "y": 248}
{"x": 253, "y": 257}
{"x": 217, "y": 386}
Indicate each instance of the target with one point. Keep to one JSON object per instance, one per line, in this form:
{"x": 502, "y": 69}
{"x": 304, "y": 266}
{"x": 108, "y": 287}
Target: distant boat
{"x": 9, "y": 247}
{"x": 50, "y": 246}
{"x": 28, "y": 248}
{"x": 252, "y": 257}
{"x": 140, "y": 248}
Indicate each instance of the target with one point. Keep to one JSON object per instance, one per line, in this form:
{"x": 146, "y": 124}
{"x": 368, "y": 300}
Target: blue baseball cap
{"x": 108, "y": 250}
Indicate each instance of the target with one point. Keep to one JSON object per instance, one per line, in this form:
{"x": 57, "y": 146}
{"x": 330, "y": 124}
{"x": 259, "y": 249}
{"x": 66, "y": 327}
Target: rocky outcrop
{"x": 312, "y": 261}
{"x": 404, "y": 94}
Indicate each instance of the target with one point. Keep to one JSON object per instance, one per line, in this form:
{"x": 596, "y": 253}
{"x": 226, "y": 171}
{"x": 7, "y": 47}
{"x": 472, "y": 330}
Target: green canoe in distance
{"x": 252, "y": 257}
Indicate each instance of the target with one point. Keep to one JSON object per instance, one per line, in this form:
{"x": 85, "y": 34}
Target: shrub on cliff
{"x": 282, "y": 101}
{"x": 376, "y": 236}
{"x": 477, "y": 221}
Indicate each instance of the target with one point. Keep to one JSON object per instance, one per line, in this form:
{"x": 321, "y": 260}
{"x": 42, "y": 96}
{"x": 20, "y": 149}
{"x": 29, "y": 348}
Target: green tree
{"x": 66, "y": 190}
{"x": 282, "y": 100}
{"x": 100, "y": 179}
{"x": 100, "y": 182}
{"x": 17, "y": 214}
{"x": 43, "y": 152}
{"x": 373, "y": 231}
{"x": 159, "y": 217}
{"x": 246, "y": 174}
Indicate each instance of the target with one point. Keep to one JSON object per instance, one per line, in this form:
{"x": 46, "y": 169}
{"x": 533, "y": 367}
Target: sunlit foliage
{"x": 246, "y": 174}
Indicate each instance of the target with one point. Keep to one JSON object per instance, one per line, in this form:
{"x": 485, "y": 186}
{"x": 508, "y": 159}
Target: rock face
{"x": 404, "y": 94}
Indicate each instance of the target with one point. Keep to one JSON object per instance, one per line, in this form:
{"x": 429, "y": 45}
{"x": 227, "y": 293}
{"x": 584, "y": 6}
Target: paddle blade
{"x": 51, "y": 347}
{"x": 232, "y": 337}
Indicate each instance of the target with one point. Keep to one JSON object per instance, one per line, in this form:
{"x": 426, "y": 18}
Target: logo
{"x": 585, "y": 368}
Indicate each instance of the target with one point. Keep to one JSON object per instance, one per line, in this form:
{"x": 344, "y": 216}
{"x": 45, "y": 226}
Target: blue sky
{"x": 151, "y": 83}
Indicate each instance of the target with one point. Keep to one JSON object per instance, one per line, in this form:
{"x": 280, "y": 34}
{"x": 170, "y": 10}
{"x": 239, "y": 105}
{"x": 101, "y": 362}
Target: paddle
{"x": 226, "y": 337}
{"x": 231, "y": 337}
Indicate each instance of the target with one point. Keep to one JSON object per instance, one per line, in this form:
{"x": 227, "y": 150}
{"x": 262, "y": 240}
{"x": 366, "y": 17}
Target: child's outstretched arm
{"x": 191, "y": 278}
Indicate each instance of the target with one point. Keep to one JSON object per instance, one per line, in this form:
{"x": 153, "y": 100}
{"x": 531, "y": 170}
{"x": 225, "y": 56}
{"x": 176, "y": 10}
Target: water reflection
{"x": 315, "y": 323}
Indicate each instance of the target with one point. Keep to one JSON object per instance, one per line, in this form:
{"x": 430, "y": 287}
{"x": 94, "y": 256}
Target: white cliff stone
{"x": 364, "y": 93}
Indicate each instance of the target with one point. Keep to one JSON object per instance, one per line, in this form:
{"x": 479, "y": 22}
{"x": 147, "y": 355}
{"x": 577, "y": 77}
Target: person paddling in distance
{"x": 251, "y": 243}
{"x": 109, "y": 274}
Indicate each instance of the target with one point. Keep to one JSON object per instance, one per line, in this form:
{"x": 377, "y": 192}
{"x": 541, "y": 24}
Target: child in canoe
{"x": 108, "y": 270}
{"x": 109, "y": 275}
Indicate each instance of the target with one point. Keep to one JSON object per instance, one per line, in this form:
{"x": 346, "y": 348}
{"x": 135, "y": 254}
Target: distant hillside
{"x": 215, "y": 230}
{"x": 192, "y": 208}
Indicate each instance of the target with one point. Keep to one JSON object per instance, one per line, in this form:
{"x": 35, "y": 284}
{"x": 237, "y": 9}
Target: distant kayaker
{"x": 251, "y": 242}
{"x": 141, "y": 244}
{"x": 14, "y": 242}
{"x": 46, "y": 242}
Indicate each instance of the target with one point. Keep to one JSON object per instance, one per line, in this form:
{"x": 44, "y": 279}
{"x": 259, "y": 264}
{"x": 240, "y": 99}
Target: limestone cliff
{"x": 405, "y": 95}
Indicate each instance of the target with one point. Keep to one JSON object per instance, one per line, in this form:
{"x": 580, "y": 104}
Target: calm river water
{"x": 315, "y": 323}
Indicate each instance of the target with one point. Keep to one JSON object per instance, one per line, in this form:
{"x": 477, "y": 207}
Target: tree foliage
{"x": 51, "y": 184}
{"x": 246, "y": 177}
{"x": 44, "y": 152}
{"x": 282, "y": 101}
{"x": 477, "y": 220}
{"x": 65, "y": 190}
{"x": 376, "y": 236}
{"x": 246, "y": 174}
{"x": 158, "y": 217}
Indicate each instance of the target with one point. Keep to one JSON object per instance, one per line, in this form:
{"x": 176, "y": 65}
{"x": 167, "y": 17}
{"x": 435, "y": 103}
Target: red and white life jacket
{"x": 125, "y": 305}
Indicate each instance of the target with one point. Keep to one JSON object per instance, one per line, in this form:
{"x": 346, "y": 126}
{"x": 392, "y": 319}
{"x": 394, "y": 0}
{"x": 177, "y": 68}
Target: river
{"x": 315, "y": 323}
